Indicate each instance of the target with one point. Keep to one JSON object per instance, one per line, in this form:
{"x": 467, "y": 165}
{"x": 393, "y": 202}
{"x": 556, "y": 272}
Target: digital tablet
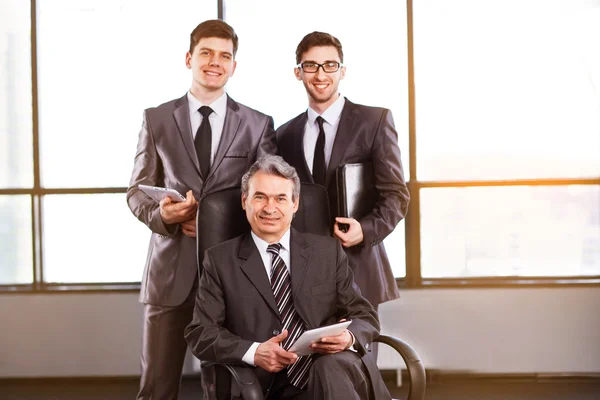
{"x": 159, "y": 193}
{"x": 302, "y": 345}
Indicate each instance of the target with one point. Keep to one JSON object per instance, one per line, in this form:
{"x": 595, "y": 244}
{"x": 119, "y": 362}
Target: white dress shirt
{"x": 216, "y": 119}
{"x": 330, "y": 125}
{"x": 284, "y": 253}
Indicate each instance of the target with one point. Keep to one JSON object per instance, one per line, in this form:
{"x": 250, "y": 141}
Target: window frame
{"x": 412, "y": 279}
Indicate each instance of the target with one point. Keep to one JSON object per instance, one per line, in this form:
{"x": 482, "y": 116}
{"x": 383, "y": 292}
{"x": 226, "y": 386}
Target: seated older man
{"x": 260, "y": 291}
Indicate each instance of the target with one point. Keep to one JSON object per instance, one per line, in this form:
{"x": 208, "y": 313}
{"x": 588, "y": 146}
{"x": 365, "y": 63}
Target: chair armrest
{"x": 250, "y": 389}
{"x": 416, "y": 369}
{"x": 246, "y": 381}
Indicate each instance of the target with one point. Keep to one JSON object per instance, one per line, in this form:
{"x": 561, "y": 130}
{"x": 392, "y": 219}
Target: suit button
{"x": 276, "y": 332}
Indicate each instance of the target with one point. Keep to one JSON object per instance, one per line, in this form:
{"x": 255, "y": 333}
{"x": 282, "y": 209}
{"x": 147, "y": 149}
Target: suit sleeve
{"x": 147, "y": 170}
{"x": 393, "y": 196}
{"x": 353, "y": 306}
{"x": 267, "y": 144}
{"x": 206, "y": 335}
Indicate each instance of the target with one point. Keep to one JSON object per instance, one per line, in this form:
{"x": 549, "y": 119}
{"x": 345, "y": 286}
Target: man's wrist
{"x": 352, "y": 340}
{"x": 248, "y": 357}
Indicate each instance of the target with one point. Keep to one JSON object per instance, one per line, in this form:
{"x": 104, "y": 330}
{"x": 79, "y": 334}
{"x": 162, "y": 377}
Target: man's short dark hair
{"x": 213, "y": 28}
{"x": 272, "y": 165}
{"x": 316, "y": 39}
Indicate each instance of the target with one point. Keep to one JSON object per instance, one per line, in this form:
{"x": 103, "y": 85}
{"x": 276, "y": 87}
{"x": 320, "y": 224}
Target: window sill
{"x": 502, "y": 282}
{"x": 129, "y": 287}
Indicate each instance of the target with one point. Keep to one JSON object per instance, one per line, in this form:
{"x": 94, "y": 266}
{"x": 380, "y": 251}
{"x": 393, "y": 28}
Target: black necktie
{"x": 319, "y": 160}
{"x": 282, "y": 290}
{"x": 203, "y": 140}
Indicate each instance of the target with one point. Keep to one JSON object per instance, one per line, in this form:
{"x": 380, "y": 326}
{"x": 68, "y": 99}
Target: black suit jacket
{"x": 365, "y": 134}
{"x": 235, "y": 306}
{"x": 166, "y": 157}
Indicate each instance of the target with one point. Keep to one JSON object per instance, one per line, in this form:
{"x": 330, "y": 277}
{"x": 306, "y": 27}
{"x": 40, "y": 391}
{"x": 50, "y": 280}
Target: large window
{"x": 508, "y": 137}
{"x": 496, "y": 103}
{"x": 16, "y": 166}
{"x": 510, "y": 231}
{"x": 98, "y": 64}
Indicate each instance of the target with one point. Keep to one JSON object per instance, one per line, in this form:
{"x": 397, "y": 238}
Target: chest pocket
{"x": 237, "y": 154}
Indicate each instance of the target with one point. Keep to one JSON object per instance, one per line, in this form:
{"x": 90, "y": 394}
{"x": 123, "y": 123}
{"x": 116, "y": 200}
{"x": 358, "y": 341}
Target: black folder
{"x": 356, "y": 192}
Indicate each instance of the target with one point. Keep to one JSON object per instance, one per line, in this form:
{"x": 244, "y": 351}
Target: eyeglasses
{"x": 312, "y": 67}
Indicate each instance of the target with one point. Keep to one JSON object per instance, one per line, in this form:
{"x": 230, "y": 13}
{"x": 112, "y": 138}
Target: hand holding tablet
{"x": 159, "y": 193}
{"x": 302, "y": 346}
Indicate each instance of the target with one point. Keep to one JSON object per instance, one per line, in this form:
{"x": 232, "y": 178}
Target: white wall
{"x": 520, "y": 330}
{"x": 516, "y": 330}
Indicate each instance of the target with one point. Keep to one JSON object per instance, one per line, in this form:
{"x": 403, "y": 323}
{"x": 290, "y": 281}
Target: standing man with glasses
{"x": 196, "y": 144}
{"x": 333, "y": 132}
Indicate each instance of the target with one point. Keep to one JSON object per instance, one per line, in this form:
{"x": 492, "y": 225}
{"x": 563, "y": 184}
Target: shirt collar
{"x": 219, "y": 106}
{"x": 262, "y": 245}
{"x": 330, "y": 115}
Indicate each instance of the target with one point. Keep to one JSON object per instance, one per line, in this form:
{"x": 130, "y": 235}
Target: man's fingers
{"x": 332, "y": 344}
{"x": 183, "y": 209}
{"x": 338, "y": 233}
{"x": 343, "y": 220}
{"x": 189, "y": 224}
{"x": 189, "y": 233}
{"x": 327, "y": 349}
{"x": 190, "y": 199}
{"x": 279, "y": 338}
{"x": 286, "y": 358}
{"x": 164, "y": 202}
{"x": 331, "y": 340}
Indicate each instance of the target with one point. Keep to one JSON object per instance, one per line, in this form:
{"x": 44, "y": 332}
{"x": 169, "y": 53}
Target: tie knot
{"x": 274, "y": 248}
{"x": 205, "y": 111}
{"x": 320, "y": 121}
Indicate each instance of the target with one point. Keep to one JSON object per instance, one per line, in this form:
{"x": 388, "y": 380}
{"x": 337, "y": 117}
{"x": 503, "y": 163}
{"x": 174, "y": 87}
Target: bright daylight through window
{"x": 506, "y": 133}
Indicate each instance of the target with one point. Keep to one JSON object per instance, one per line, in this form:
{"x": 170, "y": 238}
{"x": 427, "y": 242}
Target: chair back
{"x": 313, "y": 210}
{"x": 220, "y": 216}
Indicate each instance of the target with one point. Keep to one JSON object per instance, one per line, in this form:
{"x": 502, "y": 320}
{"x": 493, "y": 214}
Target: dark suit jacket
{"x": 235, "y": 306}
{"x": 166, "y": 157}
{"x": 365, "y": 134}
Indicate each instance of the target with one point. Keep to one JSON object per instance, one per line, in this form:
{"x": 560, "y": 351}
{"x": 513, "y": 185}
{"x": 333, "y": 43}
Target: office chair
{"x": 221, "y": 217}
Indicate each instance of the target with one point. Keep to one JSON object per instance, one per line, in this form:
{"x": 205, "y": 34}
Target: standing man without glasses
{"x": 333, "y": 132}
{"x": 261, "y": 290}
{"x": 199, "y": 143}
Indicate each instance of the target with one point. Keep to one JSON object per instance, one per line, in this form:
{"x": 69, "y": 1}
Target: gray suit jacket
{"x": 365, "y": 134}
{"x": 235, "y": 306}
{"x": 166, "y": 157}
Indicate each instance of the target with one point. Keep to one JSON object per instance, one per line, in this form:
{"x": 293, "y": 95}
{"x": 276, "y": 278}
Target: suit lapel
{"x": 230, "y": 130}
{"x": 181, "y": 113}
{"x": 343, "y": 137}
{"x": 253, "y": 267}
{"x": 295, "y": 149}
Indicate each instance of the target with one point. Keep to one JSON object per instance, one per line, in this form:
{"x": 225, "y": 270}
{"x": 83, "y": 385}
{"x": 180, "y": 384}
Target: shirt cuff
{"x": 351, "y": 348}
{"x": 248, "y": 357}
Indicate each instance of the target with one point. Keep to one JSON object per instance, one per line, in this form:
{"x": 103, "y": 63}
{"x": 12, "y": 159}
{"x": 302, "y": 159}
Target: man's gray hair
{"x": 273, "y": 165}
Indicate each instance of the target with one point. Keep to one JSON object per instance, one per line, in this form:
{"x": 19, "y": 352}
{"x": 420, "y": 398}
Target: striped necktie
{"x": 282, "y": 289}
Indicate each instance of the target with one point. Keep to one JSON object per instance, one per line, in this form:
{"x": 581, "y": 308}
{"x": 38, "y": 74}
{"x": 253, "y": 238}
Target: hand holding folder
{"x": 356, "y": 193}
